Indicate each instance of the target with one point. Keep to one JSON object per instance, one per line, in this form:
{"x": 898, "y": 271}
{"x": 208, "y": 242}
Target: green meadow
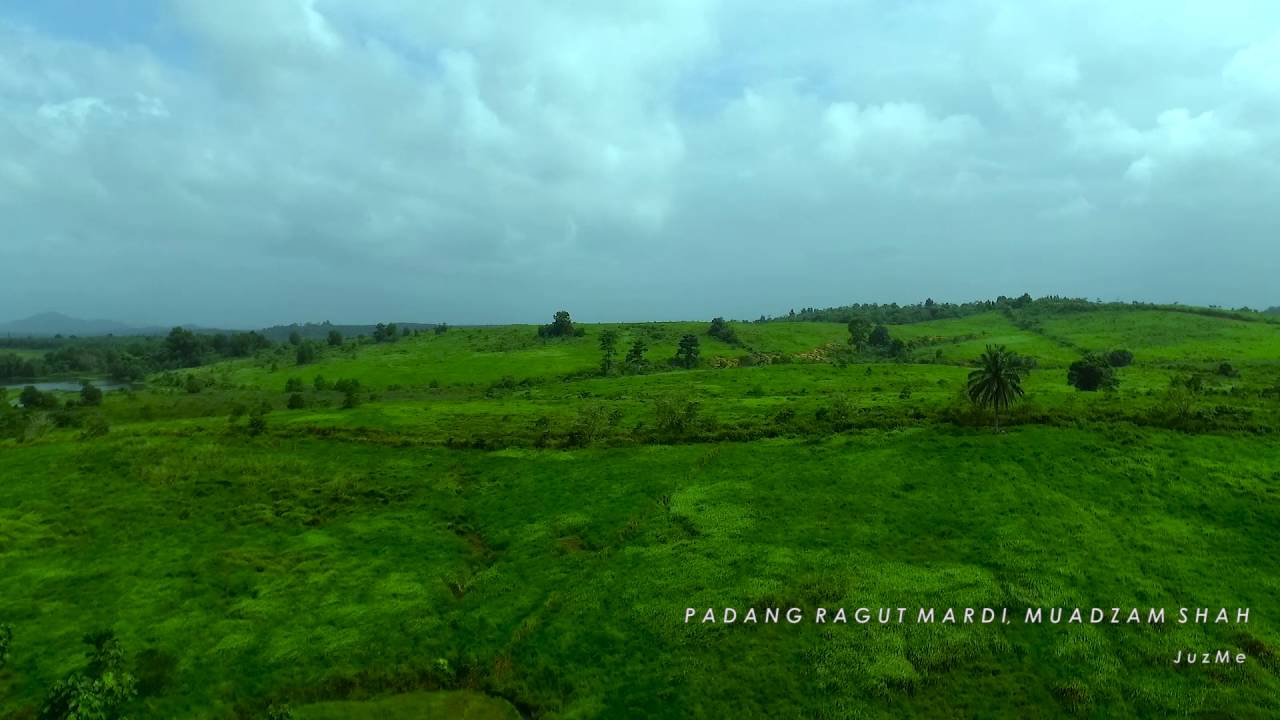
{"x": 491, "y": 527}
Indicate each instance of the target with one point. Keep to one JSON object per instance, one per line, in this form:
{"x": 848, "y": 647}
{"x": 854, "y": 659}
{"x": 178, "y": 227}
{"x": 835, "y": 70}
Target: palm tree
{"x": 997, "y": 382}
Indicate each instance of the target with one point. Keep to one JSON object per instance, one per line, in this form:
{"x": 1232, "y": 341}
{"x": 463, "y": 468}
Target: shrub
{"x": 320, "y": 384}
{"x": 676, "y": 417}
{"x": 100, "y": 691}
{"x": 1120, "y": 358}
{"x": 193, "y": 384}
{"x": 306, "y": 353}
{"x": 257, "y": 422}
{"x": 592, "y": 421}
{"x": 293, "y": 385}
{"x": 687, "y": 352}
{"x": 1092, "y": 373}
{"x": 31, "y": 398}
{"x": 1225, "y": 370}
{"x": 94, "y": 426}
{"x": 350, "y": 385}
{"x": 90, "y": 394}
{"x": 722, "y": 331}
{"x": 350, "y": 398}
{"x": 879, "y": 337}
{"x": 296, "y": 401}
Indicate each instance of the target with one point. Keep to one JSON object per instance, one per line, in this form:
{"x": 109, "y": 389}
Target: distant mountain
{"x": 319, "y": 331}
{"x": 52, "y": 323}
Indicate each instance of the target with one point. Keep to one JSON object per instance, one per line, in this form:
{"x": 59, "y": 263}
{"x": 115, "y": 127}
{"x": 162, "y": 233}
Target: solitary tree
{"x": 561, "y": 326}
{"x": 879, "y": 336}
{"x": 335, "y": 338}
{"x": 997, "y": 381}
{"x": 90, "y": 394}
{"x": 306, "y": 353}
{"x": 608, "y": 350}
{"x": 687, "y": 353}
{"x": 635, "y": 356}
{"x": 859, "y": 330}
{"x": 1092, "y": 372}
{"x": 722, "y": 330}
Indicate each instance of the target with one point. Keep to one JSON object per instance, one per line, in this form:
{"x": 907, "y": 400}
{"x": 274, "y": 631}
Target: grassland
{"x": 498, "y": 531}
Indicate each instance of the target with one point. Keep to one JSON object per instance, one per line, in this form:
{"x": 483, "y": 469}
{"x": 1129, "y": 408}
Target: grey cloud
{"x": 495, "y": 161}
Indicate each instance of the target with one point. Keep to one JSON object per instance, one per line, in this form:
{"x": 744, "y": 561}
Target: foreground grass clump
{"x": 482, "y": 523}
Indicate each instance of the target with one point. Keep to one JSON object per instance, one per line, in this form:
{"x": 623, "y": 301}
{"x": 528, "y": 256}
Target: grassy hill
{"x": 497, "y": 530}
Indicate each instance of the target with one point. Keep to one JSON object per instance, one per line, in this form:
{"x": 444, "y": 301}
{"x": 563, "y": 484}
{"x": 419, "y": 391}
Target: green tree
{"x": 257, "y": 421}
{"x": 561, "y": 326}
{"x": 879, "y": 336}
{"x": 335, "y": 338}
{"x": 687, "y": 352}
{"x": 320, "y": 384}
{"x": 608, "y": 350}
{"x": 90, "y": 394}
{"x": 31, "y": 398}
{"x": 635, "y": 356}
{"x": 996, "y": 384}
{"x": 293, "y": 385}
{"x": 1091, "y": 373}
{"x": 295, "y": 339}
{"x": 350, "y": 399}
{"x": 306, "y": 353}
{"x": 182, "y": 347}
{"x": 721, "y": 330}
{"x": 296, "y": 401}
{"x": 859, "y": 332}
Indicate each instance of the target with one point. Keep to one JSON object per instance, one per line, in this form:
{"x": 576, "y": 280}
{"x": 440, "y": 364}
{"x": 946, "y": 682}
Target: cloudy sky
{"x": 247, "y": 162}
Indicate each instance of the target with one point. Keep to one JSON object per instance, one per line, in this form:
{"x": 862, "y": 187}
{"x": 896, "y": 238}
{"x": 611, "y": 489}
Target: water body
{"x": 66, "y": 385}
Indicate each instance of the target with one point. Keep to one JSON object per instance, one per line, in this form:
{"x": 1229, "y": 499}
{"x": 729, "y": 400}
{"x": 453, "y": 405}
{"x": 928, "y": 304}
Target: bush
{"x": 90, "y": 394}
{"x": 296, "y": 401}
{"x": 32, "y": 399}
{"x": 293, "y": 385}
{"x": 306, "y": 353}
{"x": 257, "y": 423}
{"x": 193, "y": 384}
{"x": 100, "y": 691}
{"x": 350, "y": 398}
{"x": 1225, "y": 370}
{"x": 676, "y": 417}
{"x": 1120, "y": 358}
{"x": 1092, "y": 373}
{"x": 94, "y": 426}
{"x": 687, "y": 352}
{"x": 722, "y": 331}
{"x": 320, "y": 384}
{"x": 344, "y": 386}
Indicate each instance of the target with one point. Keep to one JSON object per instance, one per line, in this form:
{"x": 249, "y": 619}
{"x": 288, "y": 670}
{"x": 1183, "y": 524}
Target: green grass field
{"x": 497, "y": 531}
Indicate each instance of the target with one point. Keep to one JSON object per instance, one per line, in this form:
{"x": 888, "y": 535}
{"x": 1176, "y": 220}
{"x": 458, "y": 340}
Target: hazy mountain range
{"x": 52, "y": 323}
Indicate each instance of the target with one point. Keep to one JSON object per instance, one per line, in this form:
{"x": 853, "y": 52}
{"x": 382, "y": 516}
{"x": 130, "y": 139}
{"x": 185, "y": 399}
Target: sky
{"x": 241, "y": 163}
